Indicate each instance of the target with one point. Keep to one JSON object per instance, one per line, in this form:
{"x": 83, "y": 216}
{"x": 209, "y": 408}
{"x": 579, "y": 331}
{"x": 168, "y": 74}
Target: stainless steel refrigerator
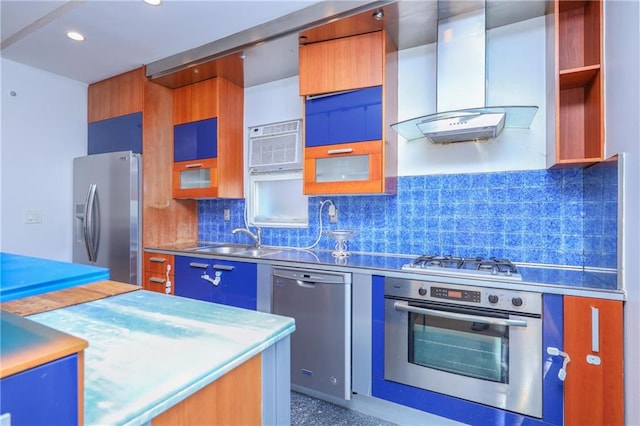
{"x": 106, "y": 202}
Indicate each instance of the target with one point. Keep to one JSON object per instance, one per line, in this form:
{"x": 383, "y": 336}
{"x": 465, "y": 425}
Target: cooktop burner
{"x": 465, "y": 266}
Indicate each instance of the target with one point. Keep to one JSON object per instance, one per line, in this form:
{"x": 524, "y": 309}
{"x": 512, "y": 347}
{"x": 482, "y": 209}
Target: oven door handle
{"x": 404, "y": 306}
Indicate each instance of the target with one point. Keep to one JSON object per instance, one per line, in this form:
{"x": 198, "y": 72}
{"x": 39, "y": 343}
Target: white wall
{"x": 622, "y": 85}
{"x": 515, "y": 76}
{"x": 272, "y": 102}
{"x": 44, "y": 126}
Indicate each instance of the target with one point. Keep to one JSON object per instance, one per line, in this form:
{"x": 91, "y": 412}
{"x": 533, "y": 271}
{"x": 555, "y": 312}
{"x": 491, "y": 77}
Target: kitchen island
{"x": 153, "y": 357}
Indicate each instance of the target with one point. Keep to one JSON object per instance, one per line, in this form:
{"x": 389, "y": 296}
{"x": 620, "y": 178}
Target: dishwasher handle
{"x": 306, "y": 284}
{"x": 309, "y": 276}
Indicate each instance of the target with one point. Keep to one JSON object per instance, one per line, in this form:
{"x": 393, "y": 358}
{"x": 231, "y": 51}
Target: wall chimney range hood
{"x": 462, "y": 114}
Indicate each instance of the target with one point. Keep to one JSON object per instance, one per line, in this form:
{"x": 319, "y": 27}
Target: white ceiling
{"x": 122, "y": 34}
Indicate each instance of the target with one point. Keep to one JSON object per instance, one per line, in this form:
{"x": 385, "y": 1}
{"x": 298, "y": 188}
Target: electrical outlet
{"x": 227, "y": 214}
{"x": 32, "y": 216}
{"x": 334, "y": 217}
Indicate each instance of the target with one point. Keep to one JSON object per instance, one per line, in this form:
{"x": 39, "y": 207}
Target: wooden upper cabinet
{"x": 593, "y": 338}
{"x": 164, "y": 220}
{"x": 342, "y": 64}
{"x": 196, "y": 101}
{"x": 221, "y": 174}
{"x": 349, "y": 146}
{"x": 119, "y": 95}
{"x": 578, "y": 131}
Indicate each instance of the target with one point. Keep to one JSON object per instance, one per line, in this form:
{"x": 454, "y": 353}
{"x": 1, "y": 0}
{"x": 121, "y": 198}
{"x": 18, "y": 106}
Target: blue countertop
{"x": 23, "y": 276}
{"x": 190, "y": 343}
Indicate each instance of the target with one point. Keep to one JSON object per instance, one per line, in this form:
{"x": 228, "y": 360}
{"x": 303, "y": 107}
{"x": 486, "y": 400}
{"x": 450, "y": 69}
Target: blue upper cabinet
{"x": 123, "y": 133}
{"x": 345, "y": 117}
{"x": 196, "y": 140}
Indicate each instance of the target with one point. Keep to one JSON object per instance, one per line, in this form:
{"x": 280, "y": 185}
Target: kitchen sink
{"x": 257, "y": 252}
{"x": 227, "y": 249}
{"x": 237, "y": 250}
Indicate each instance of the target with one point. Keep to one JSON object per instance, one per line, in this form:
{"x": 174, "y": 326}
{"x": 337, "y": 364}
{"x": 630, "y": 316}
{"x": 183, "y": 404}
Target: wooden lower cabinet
{"x": 158, "y": 272}
{"x": 233, "y": 399}
{"x": 593, "y": 338}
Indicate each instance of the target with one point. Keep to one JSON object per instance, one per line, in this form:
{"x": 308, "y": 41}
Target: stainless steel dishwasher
{"x": 320, "y": 302}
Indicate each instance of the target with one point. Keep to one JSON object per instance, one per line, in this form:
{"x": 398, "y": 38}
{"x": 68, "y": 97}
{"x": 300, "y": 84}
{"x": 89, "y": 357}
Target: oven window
{"x": 461, "y": 347}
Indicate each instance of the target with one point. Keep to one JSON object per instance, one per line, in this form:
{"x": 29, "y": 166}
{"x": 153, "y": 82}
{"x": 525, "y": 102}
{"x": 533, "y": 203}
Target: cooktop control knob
{"x": 516, "y": 301}
{"x": 422, "y": 291}
{"x": 493, "y": 298}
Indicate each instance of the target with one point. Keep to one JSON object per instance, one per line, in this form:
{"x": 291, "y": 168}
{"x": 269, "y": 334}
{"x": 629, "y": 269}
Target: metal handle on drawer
{"x": 193, "y": 166}
{"x": 198, "y": 265}
{"x": 157, "y": 259}
{"x": 223, "y": 267}
{"x": 403, "y": 306}
{"x": 157, "y": 280}
{"x": 340, "y": 151}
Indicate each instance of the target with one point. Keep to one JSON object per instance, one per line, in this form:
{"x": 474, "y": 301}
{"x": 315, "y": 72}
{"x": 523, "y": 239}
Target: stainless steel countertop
{"x": 550, "y": 279}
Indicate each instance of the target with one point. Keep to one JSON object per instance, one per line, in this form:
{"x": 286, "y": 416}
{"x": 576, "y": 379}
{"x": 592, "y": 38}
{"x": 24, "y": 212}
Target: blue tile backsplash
{"x": 561, "y": 217}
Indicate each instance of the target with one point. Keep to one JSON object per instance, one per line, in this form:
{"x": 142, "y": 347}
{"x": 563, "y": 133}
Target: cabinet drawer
{"x": 196, "y": 140}
{"x": 158, "y": 262}
{"x": 344, "y": 169}
{"x": 158, "y": 282}
{"x": 353, "y": 116}
{"x": 195, "y": 179}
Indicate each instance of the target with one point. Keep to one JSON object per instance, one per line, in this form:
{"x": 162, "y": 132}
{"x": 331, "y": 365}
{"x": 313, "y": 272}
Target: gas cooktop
{"x": 470, "y": 267}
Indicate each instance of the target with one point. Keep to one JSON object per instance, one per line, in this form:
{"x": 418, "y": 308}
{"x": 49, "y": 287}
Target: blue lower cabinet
{"x": 44, "y": 395}
{"x": 459, "y": 409}
{"x": 220, "y": 281}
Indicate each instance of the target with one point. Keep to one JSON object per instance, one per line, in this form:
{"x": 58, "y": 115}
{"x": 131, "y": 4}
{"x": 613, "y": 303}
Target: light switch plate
{"x": 227, "y": 214}
{"x": 32, "y": 216}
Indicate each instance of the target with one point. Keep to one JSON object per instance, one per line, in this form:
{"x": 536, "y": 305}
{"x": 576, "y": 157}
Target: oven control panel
{"x": 461, "y": 295}
{"x": 486, "y": 297}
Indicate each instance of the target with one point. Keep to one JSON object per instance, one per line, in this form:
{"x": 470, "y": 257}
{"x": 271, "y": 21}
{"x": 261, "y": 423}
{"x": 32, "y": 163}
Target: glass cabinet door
{"x": 338, "y": 169}
{"x": 195, "y": 179}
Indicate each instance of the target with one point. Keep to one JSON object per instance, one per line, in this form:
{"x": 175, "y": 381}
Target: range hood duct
{"x": 460, "y": 96}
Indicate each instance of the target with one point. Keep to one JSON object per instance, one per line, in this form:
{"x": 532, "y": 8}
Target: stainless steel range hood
{"x": 460, "y": 98}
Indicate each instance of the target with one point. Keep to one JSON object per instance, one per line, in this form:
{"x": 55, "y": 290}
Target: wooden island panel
{"x": 233, "y": 399}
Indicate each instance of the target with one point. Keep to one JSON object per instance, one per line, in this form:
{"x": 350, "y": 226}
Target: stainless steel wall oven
{"x": 476, "y": 343}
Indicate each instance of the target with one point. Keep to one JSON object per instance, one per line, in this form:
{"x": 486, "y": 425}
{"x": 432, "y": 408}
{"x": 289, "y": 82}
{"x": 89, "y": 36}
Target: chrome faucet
{"x": 255, "y": 237}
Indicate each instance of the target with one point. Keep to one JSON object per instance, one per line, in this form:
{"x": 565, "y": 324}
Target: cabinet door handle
{"x": 223, "y": 267}
{"x": 595, "y": 329}
{"x": 157, "y": 280}
{"x": 157, "y": 259}
{"x": 340, "y": 151}
{"x": 198, "y": 265}
{"x": 193, "y": 166}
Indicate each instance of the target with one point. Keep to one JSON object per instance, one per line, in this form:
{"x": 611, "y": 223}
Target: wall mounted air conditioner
{"x": 276, "y": 146}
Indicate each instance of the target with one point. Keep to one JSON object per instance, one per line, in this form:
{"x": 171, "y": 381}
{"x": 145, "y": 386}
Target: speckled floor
{"x": 308, "y": 411}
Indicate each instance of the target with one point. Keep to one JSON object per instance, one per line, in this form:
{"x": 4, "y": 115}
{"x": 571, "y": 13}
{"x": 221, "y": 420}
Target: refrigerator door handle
{"x": 90, "y": 228}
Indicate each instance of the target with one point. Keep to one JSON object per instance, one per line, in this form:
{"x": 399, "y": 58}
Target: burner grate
{"x": 478, "y": 265}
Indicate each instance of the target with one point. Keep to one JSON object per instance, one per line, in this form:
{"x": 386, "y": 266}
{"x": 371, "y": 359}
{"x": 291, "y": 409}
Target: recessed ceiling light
{"x": 74, "y": 35}
{"x": 153, "y": 2}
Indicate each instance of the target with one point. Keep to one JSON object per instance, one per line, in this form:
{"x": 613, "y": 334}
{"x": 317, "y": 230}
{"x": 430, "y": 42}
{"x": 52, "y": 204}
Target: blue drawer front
{"x": 196, "y": 140}
{"x": 43, "y": 395}
{"x": 345, "y": 117}
{"x": 122, "y": 133}
{"x": 236, "y": 287}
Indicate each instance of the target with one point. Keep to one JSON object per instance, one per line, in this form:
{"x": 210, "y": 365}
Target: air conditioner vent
{"x": 275, "y": 146}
